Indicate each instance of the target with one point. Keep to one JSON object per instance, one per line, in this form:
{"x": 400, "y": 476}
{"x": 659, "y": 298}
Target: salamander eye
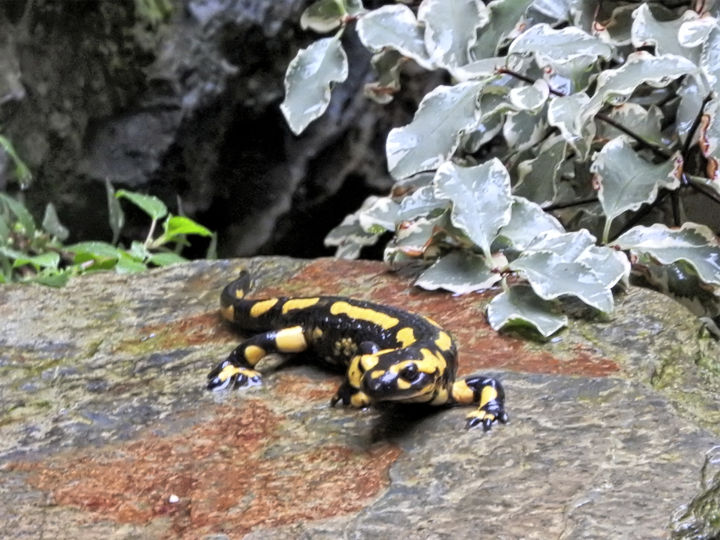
{"x": 409, "y": 372}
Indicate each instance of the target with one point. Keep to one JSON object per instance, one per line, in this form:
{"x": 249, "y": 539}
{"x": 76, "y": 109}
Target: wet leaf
{"x": 643, "y": 122}
{"x": 709, "y": 138}
{"x": 549, "y": 46}
{"x": 309, "y": 79}
{"x": 537, "y": 177}
{"x": 349, "y": 237}
{"x": 564, "y": 113}
{"x": 379, "y": 215}
{"x": 527, "y": 220}
{"x": 449, "y": 28}
{"x": 504, "y": 18}
{"x": 663, "y": 35}
{"x": 693, "y": 243}
{"x": 460, "y": 272}
{"x": 421, "y": 202}
{"x": 520, "y": 306}
{"x": 434, "y": 134}
{"x": 481, "y": 199}
{"x": 326, "y": 15}
{"x": 524, "y": 129}
{"x": 386, "y": 65}
{"x": 530, "y": 98}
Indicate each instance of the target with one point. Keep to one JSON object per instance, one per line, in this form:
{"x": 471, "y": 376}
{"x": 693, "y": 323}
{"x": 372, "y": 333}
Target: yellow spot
{"x": 406, "y": 336}
{"x": 354, "y": 373}
{"x": 228, "y": 313}
{"x": 462, "y": 393}
{"x": 444, "y": 341}
{"x": 487, "y": 394}
{"x": 228, "y": 371}
{"x": 253, "y": 354}
{"x": 299, "y": 303}
{"x": 290, "y": 340}
{"x": 430, "y": 362}
{"x": 441, "y": 397}
{"x": 364, "y": 314}
{"x": 359, "y": 400}
{"x": 368, "y": 361}
{"x": 402, "y": 384}
{"x": 262, "y": 306}
{"x": 317, "y": 333}
{"x": 239, "y": 294}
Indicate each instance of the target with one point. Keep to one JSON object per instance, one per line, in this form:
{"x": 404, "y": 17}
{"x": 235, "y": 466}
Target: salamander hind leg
{"x": 238, "y": 368}
{"x": 488, "y": 393}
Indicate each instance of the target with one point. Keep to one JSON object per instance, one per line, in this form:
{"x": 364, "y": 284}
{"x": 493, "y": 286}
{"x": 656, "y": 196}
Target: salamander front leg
{"x": 349, "y": 391}
{"x": 488, "y": 393}
{"x": 237, "y": 369}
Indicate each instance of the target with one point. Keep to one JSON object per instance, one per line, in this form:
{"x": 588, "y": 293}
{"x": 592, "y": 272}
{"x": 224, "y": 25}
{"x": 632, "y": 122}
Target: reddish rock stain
{"x": 218, "y": 472}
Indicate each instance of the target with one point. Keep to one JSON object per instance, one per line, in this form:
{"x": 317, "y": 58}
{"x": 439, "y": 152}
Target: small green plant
{"x": 564, "y": 122}
{"x": 38, "y": 254}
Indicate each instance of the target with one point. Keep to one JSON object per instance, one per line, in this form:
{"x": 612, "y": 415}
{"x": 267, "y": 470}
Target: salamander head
{"x": 404, "y": 374}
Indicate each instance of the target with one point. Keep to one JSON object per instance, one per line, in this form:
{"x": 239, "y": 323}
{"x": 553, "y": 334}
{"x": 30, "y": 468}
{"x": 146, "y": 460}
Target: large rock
{"x": 107, "y": 429}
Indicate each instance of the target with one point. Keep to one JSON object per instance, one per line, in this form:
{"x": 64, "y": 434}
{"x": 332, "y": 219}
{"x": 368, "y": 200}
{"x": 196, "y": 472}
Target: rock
{"x": 107, "y": 428}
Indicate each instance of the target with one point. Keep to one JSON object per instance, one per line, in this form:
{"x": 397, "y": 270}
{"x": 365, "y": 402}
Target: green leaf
{"x": 166, "y": 259}
{"x": 394, "y": 27}
{"x": 115, "y": 212}
{"x": 22, "y": 173}
{"x": 432, "y": 137}
{"x": 504, "y": 18}
{"x": 149, "y": 204}
{"x": 693, "y": 243}
{"x": 551, "y": 277}
{"x": 44, "y": 260}
{"x": 127, "y": 264}
{"x": 481, "y": 199}
{"x": 386, "y": 65}
{"x": 94, "y": 250}
{"x": 177, "y": 225}
{"x": 449, "y": 28}
{"x": 309, "y": 79}
{"x": 4, "y": 230}
{"x": 51, "y": 223}
{"x": 520, "y": 306}
{"x": 626, "y": 181}
{"x": 460, "y": 272}
{"x": 323, "y": 16}
{"x": 21, "y": 213}
{"x": 52, "y": 279}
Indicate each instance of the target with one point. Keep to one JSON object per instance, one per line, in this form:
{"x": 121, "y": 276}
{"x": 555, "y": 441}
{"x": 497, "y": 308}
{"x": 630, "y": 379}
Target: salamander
{"x": 389, "y": 354}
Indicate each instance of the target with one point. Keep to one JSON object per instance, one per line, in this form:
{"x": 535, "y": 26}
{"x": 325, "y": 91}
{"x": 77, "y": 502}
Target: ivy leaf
{"x": 568, "y": 246}
{"x": 386, "y": 65}
{"x": 449, "y": 28}
{"x": 309, "y": 79}
{"x": 414, "y": 238}
{"x": 565, "y": 114}
{"x": 537, "y": 177}
{"x": 422, "y": 202}
{"x": 379, "y": 216}
{"x": 551, "y": 277}
{"x": 634, "y": 117}
{"x": 693, "y": 243}
{"x": 460, "y": 272}
{"x": 520, "y": 306}
{"x": 709, "y": 142}
{"x": 609, "y": 265}
{"x": 614, "y": 86}
{"x": 530, "y": 98}
{"x": 349, "y": 237}
{"x": 626, "y": 181}
{"x": 394, "y": 27}
{"x": 325, "y": 15}
{"x": 481, "y": 199}
{"x": 434, "y": 134}
{"x": 504, "y": 18}
{"x": 663, "y": 35}
{"x": 550, "y": 46}
{"x": 524, "y": 129}
{"x": 527, "y": 220}
{"x": 149, "y": 204}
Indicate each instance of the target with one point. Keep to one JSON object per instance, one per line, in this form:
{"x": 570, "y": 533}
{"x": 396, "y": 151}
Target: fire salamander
{"x": 389, "y": 354}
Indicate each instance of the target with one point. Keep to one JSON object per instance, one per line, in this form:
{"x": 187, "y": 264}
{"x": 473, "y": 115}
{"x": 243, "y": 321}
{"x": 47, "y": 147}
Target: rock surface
{"x": 107, "y": 431}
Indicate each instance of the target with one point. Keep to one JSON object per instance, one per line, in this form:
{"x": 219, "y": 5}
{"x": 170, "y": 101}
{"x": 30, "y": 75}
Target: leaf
{"x": 394, "y": 27}
{"x": 520, "y": 306}
{"x": 614, "y": 86}
{"x": 166, "y": 259}
{"x": 379, "y": 215}
{"x": 115, "y": 212}
{"x": 51, "y": 223}
{"x": 309, "y": 79}
{"x": 709, "y": 142}
{"x": 420, "y": 203}
{"x": 449, "y": 28}
{"x": 568, "y": 246}
{"x": 504, "y": 17}
{"x": 434, "y": 134}
{"x": 22, "y": 173}
{"x": 149, "y": 204}
{"x": 53, "y": 278}
{"x": 634, "y": 117}
{"x": 459, "y": 272}
{"x": 349, "y": 238}
{"x": 21, "y": 213}
{"x": 537, "y": 177}
{"x": 527, "y": 220}
{"x": 177, "y": 225}
{"x": 564, "y": 113}
{"x": 524, "y": 129}
{"x": 549, "y": 46}
{"x": 415, "y": 238}
{"x": 481, "y": 199}
{"x": 530, "y": 98}
{"x": 693, "y": 243}
{"x": 663, "y": 35}
{"x": 325, "y": 15}
{"x": 386, "y": 64}
{"x": 626, "y": 181}
{"x": 551, "y": 277}
{"x": 610, "y": 266}
{"x": 44, "y": 260}
{"x": 93, "y": 250}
